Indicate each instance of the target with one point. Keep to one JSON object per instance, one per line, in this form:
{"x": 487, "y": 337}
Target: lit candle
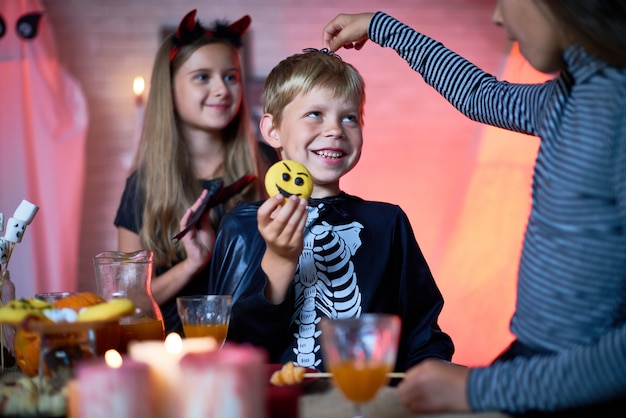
{"x": 163, "y": 359}
{"x": 116, "y": 387}
{"x": 139, "y": 85}
{"x": 138, "y": 88}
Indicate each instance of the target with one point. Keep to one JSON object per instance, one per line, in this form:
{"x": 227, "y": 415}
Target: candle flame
{"x": 138, "y": 85}
{"x": 113, "y": 359}
{"x": 173, "y": 343}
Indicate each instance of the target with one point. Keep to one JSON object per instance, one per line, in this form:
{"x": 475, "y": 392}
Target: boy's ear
{"x": 269, "y": 131}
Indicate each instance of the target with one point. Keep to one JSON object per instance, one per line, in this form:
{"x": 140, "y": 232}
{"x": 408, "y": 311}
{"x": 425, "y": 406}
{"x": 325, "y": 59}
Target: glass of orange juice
{"x": 205, "y": 316}
{"x": 359, "y": 353}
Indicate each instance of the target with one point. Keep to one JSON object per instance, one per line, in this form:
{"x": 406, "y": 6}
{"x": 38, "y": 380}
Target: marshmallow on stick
{"x": 4, "y": 251}
{"x": 26, "y": 211}
{"x": 16, "y": 225}
{"x": 15, "y": 230}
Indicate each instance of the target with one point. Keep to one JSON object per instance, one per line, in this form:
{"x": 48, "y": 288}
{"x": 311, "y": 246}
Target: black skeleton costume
{"x": 359, "y": 256}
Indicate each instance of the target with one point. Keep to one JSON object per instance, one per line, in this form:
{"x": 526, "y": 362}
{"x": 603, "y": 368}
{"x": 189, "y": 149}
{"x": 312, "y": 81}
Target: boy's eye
{"x": 350, "y": 118}
{"x": 202, "y": 77}
{"x": 314, "y": 114}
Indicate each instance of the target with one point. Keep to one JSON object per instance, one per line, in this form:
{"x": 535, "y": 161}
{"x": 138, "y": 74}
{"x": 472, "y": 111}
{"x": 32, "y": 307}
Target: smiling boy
{"x": 290, "y": 263}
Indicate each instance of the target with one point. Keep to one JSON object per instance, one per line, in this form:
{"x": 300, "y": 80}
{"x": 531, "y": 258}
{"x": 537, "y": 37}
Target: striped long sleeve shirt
{"x": 571, "y": 295}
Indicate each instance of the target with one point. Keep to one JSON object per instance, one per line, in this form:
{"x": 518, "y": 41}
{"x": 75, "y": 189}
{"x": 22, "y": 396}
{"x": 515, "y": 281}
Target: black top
{"x": 130, "y": 216}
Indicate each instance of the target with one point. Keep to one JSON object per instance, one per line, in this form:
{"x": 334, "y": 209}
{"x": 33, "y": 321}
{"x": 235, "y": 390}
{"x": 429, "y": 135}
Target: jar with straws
{"x": 15, "y": 228}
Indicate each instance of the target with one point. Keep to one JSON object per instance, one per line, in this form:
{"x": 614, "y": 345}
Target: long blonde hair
{"x": 165, "y": 179}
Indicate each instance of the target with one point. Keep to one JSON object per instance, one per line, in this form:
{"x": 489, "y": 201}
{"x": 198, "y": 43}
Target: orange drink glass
{"x": 359, "y": 353}
{"x": 205, "y": 316}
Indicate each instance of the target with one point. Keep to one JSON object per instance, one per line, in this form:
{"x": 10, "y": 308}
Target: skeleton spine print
{"x": 325, "y": 282}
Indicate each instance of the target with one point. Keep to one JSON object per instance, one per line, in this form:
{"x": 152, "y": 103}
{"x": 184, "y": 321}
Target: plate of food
{"x": 46, "y": 315}
{"x": 22, "y": 396}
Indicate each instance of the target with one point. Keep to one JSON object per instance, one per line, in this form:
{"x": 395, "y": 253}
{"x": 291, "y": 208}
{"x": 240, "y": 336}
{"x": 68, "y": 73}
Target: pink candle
{"x": 120, "y": 389}
{"x": 230, "y": 383}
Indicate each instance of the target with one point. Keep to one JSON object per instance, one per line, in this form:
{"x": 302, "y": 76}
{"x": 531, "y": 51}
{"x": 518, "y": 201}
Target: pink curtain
{"x": 43, "y": 123}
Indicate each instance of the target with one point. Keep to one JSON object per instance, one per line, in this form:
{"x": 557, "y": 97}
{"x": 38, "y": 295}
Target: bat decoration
{"x": 217, "y": 195}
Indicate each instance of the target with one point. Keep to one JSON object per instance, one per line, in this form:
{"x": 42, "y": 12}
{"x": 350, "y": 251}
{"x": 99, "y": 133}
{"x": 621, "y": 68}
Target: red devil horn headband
{"x": 187, "y": 25}
{"x": 189, "y": 30}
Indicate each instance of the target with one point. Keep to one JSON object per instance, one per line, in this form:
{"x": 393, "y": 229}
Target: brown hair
{"x": 599, "y": 26}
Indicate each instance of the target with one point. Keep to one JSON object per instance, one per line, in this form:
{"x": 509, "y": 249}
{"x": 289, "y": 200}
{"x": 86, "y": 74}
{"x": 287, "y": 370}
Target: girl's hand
{"x": 347, "y": 30}
{"x": 282, "y": 228}
{"x": 198, "y": 242}
{"x": 435, "y": 385}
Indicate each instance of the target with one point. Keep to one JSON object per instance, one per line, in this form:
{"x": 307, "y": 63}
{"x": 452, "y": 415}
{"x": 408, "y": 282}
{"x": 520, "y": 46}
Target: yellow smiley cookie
{"x": 288, "y": 177}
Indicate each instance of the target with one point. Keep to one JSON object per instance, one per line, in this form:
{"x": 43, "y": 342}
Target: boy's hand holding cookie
{"x": 281, "y": 224}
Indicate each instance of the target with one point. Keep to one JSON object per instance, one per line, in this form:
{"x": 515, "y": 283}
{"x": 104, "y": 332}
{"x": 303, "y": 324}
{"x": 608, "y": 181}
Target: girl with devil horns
{"x": 196, "y": 134}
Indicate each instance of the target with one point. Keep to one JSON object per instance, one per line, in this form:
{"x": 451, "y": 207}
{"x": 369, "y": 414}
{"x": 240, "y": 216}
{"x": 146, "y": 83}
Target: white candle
{"x": 163, "y": 359}
{"x": 115, "y": 387}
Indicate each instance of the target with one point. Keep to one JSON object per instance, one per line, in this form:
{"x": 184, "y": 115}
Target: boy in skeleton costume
{"x": 287, "y": 263}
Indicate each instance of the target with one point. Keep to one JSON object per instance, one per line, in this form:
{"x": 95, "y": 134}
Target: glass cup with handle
{"x": 129, "y": 275}
{"x": 205, "y": 316}
{"x": 359, "y": 353}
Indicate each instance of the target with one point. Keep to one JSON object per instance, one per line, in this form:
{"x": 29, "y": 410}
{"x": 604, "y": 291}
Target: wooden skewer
{"x": 392, "y": 375}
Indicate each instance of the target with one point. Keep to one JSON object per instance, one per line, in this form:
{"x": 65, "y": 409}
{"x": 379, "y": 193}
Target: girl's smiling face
{"x": 320, "y": 132}
{"x": 208, "y": 89}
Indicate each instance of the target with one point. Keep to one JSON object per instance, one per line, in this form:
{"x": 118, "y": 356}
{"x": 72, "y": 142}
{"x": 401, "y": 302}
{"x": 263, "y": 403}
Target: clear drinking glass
{"x": 360, "y": 352}
{"x": 205, "y": 316}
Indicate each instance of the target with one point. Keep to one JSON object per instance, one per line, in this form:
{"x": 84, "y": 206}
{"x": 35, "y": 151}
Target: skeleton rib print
{"x": 325, "y": 282}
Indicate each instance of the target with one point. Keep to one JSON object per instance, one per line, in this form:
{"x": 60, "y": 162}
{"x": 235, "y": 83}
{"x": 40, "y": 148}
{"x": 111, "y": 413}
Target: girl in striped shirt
{"x": 569, "y": 355}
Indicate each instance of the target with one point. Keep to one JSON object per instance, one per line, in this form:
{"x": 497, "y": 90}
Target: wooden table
{"x": 331, "y": 404}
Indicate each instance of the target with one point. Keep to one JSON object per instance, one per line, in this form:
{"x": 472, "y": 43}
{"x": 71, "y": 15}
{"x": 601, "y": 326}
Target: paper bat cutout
{"x": 217, "y": 194}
